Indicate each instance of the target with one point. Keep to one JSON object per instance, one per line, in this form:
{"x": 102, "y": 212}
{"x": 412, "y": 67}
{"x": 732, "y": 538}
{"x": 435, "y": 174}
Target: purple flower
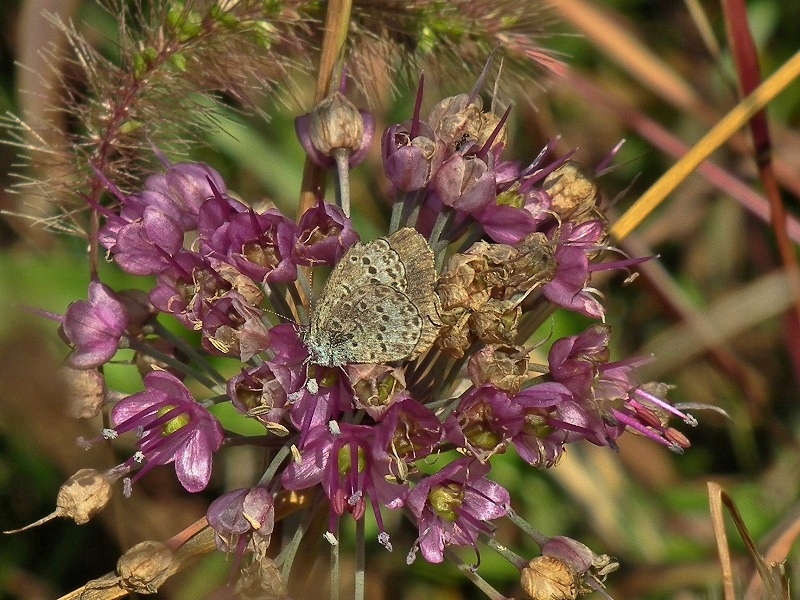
{"x": 484, "y": 422}
{"x": 604, "y": 397}
{"x": 186, "y": 285}
{"x": 454, "y": 505}
{"x": 259, "y": 392}
{"x": 574, "y": 360}
{"x": 350, "y": 466}
{"x": 411, "y": 158}
{"x": 540, "y": 442}
{"x": 174, "y": 428}
{"x": 234, "y": 327}
{"x": 95, "y": 327}
{"x": 505, "y": 224}
{"x": 259, "y": 245}
{"x": 240, "y": 515}
{"x": 412, "y": 153}
{"x": 569, "y": 286}
{"x": 324, "y": 235}
{"x": 466, "y": 183}
{"x": 181, "y": 191}
{"x": 287, "y": 347}
{"x": 409, "y": 431}
{"x": 311, "y": 411}
{"x": 214, "y": 218}
{"x": 145, "y": 246}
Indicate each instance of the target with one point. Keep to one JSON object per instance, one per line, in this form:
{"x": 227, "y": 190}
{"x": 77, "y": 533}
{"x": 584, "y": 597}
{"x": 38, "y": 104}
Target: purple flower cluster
{"x": 511, "y": 244}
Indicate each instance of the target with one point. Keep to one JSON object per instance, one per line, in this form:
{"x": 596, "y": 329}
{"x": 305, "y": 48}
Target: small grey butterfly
{"x": 378, "y": 305}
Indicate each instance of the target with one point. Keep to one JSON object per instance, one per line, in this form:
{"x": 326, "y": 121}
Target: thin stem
{"x": 286, "y": 557}
{"x": 360, "y": 561}
{"x": 337, "y": 26}
{"x": 189, "y": 351}
{"x": 511, "y": 556}
{"x": 539, "y": 538}
{"x": 335, "y": 565}
{"x": 273, "y": 467}
{"x": 442, "y": 219}
{"x": 173, "y": 362}
{"x": 397, "y": 215}
{"x": 477, "y": 580}
{"x": 343, "y": 177}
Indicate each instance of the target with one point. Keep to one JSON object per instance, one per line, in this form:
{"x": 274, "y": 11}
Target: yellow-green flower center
{"x": 345, "y": 460}
{"x": 446, "y": 499}
{"x": 175, "y": 424}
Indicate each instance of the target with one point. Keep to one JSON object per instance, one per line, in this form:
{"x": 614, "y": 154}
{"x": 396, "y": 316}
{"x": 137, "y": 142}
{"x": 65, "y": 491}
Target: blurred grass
{"x": 645, "y": 506}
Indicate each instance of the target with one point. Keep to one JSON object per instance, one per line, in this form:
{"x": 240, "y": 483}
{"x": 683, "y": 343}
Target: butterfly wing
{"x": 378, "y": 305}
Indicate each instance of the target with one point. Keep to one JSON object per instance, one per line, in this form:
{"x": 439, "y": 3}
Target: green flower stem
{"x": 343, "y": 176}
{"x": 511, "y": 556}
{"x": 191, "y": 352}
{"x": 477, "y": 580}
{"x": 360, "y": 561}
{"x": 266, "y": 478}
{"x": 335, "y": 564}
{"x": 287, "y": 555}
{"x": 539, "y": 538}
{"x": 171, "y": 361}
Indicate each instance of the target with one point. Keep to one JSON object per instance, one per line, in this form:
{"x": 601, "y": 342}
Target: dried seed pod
{"x": 261, "y": 580}
{"x": 505, "y": 367}
{"x": 86, "y": 392}
{"x": 80, "y": 498}
{"x": 573, "y": 192}
{"x": 145, "y": 567}
{"x": 547, "y": 578}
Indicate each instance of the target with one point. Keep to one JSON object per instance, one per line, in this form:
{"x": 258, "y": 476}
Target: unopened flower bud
{"x": 242, "y": 512}
{"x": 547, "y": 578}
{"x": 335, "y": 124}
{"x": 409, "y": 163}
{"x": 145, "y": 567}
{"x": 81, "y": 497}
{"x": 465, "y": 183}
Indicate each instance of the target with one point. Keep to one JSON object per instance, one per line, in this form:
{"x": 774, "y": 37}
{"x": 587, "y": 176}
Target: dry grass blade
{"x": 660, "y": 137}
{"x": 772, "y": 575}
{"x": 714, "y": 139}
{"x": 616, "y": 42}
{"x": 746, "y": 60}
{"x": 733, "y": 314}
